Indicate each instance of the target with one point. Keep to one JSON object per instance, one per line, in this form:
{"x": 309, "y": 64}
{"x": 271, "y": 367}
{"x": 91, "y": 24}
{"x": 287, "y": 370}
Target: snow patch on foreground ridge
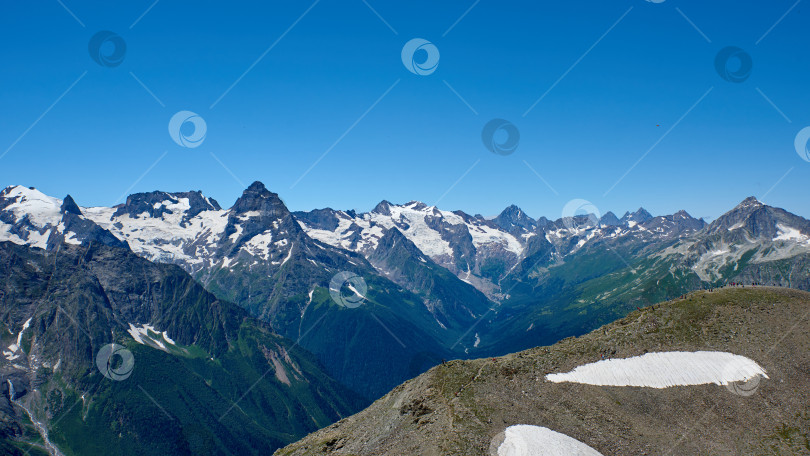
{"x": 525, "y": 440}
{"x": 665, "y": 369}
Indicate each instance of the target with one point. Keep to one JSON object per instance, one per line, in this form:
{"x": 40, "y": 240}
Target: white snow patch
{"x": 788, "y": 233}
{"x": 526, "y": 440}
{"x": 411, "y": 221}
{"x": 42, "y": 212}
{"x": 259, "y": 245}
{"x": 25, "y": 326}
{"x": 142, "y": 336}
{"x": 665, "y": 369}
{"x": 289, "y": 255}
{"x": 164, "y": 238}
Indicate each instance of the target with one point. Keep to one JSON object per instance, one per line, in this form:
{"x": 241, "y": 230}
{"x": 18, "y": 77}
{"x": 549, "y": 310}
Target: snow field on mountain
{"x": 41, "y": 210}
{"x": 148, "y": 236}
{"x": 144, "y": 335}
{"x": 664, "y": 370}
{"x": 11, "y": 354}
{"x": 526, "y": 440}
{"x": 787, "y": 233}
{"x": 410, "y": 220}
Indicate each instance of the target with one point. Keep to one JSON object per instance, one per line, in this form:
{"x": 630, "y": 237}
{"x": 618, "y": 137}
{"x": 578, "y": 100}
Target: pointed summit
{"x": 257, "y": 198}
{"x": 513, "y": 218}
{"x": 70, "y": 207}
{"x": 640, "y": 216}
{"x": 256, "y": 186}
{"x": 609, "y": 219}
{"x": 751, "y": 201}
{"x": 74, "y": 228}
{"x": 382, "y": 208}
{"x": 394, "y": 243}
{"x": 416, "y": 205}
{"x": 753, "y": 220}
{"x": 260, "y": 211}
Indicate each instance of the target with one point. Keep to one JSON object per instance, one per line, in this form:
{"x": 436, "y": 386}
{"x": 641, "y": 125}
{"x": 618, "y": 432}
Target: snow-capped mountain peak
{"x": 639, "y": 216}
{"x": 29, "y": 217}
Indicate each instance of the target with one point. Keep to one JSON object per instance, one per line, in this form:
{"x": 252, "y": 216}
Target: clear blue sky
{"x": 622, "y": 94}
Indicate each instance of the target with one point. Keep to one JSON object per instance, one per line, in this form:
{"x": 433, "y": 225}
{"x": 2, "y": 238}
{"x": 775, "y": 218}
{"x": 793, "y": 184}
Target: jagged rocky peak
{"x": 70, "y": 207}
{"x": 751, "y": 201}
{"x": 609, "y": 219}
{"x": 466, "y": 217}
{"x": 640, "y": 216}
{"x": 156, "y": 203}
{"x": 737, "y": 216}
{"x": 257, "y": 211}
{"x": 758, "y": 220}
{"x": 382, "y": 208}
{"x": 416, "y": 205}
{"x": 514, "y": 216}
{"x": 393, "y": 248}
{"x": 674, "y": 225}
{"x": 258, "y": 198}
{"x": 30, "y": 195}
{"x": 392, "y": 238}
{"x": 320, "y": 219}
{"x": 684, "y": 217}
{"x": 74, "y": 228}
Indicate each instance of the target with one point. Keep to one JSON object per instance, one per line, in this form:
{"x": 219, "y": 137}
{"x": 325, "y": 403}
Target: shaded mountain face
{"x": 593, "y": 276}
{"x": 472, "y": 248}
{"x": 256, "y": 255}
{"x": 752, "y": 243}
{"x": 480, "y": 251}
{"x": 545, "y": 280}
{"x": 513, "y": 219}
{"x": 463, "y": 407}
{"x": 640, "y": 216}
{"x": 610, "y": 219}
{"x": 452, "y": 302}
{"x": 29, "y": 217}
{"x": 204, "y": 377}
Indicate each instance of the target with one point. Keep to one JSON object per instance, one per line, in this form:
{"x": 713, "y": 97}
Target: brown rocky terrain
{"x": 461, "y": 407}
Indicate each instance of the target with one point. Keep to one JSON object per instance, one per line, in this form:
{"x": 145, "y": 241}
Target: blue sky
{"x": 622, "y": 80}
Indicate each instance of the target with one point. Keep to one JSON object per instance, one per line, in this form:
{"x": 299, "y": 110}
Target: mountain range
{"x": 341, "y": 306}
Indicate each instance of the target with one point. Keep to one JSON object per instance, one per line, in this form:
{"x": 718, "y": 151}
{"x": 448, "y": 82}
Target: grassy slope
{"x": 191, "y": 412}
{"x": 228, "y": 358}
{"x": 459, "y": 407}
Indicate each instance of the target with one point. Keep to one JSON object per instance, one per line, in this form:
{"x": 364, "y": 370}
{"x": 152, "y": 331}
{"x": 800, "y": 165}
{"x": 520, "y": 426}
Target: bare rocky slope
{"x": 461, "y": 407}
